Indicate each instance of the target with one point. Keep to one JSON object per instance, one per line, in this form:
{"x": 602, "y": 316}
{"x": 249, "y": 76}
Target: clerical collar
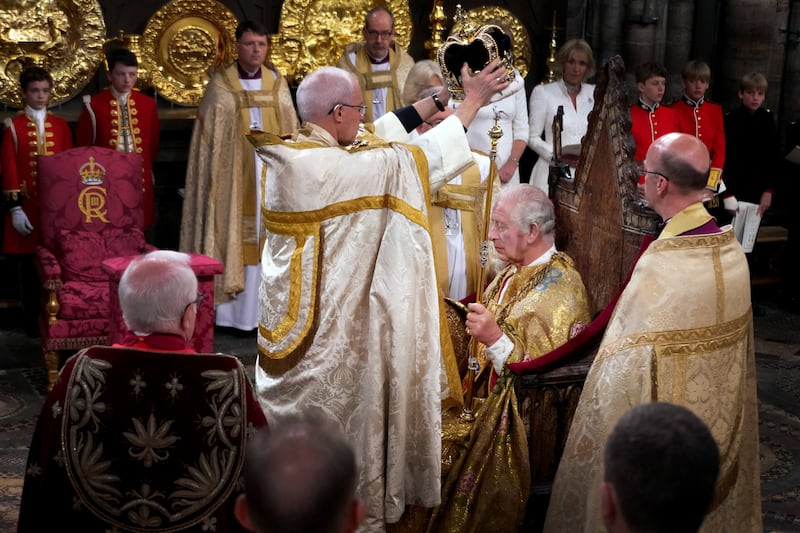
{"x": 694, "y": 103}
{"x": 378, "y": 61}
{"x": 121, "y": 97}
{"x": 244, "y": 75}
{"x": 685, "y": 220}
{"x": 647, "y": 107}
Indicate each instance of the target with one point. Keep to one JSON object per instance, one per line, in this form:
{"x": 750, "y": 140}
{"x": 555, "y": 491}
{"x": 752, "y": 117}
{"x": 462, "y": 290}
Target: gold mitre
{"x": 476, "y": 46}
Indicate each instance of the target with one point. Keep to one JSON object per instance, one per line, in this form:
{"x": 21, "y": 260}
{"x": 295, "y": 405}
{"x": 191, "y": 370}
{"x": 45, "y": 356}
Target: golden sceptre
{"x": 495, "y": 132}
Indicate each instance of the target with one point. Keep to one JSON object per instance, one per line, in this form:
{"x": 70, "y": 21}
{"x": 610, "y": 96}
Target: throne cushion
{"x": 80, "y": 254}
{"x": 123, "y": 242}
{"x": 84, "y": 299}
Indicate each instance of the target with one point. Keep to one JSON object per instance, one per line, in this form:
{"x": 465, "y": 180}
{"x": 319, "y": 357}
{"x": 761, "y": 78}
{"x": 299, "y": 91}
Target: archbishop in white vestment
{"x": 351, "y": 320}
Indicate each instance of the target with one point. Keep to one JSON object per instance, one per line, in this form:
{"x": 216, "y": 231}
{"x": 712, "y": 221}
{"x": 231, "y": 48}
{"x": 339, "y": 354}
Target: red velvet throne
{"x": 91, "y": 210}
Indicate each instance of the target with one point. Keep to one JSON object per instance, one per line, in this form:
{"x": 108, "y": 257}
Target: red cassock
{"x": 704, "y": 121}
{"x": 21, "y": 144}
{"x": 99, "y": 125}
{"x": 647, "y": 126}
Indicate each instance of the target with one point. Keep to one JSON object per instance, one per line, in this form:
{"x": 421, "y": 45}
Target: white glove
{"x": 20, "y": 221}
{"x": 730, "y": 203}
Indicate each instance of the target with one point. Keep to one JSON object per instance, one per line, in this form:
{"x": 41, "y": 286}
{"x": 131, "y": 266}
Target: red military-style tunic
{"x": 21, "y": 144}
{"x": 648, "y": 124}
{"x": 703, "y": 119}
{"x": 100, "y": 124}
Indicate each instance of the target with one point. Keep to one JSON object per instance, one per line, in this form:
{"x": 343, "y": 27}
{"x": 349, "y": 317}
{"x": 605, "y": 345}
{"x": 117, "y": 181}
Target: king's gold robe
{"x": 682, "y": 333}
{"x": 486, "y": 475}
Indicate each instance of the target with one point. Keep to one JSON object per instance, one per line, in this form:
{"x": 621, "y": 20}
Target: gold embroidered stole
{"x": 462, "y": 198}
{"x": 267, "y": 100}
{"x": 378, "y": 79}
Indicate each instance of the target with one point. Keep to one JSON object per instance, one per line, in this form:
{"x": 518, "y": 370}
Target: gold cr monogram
{"x": 92, "y": 203}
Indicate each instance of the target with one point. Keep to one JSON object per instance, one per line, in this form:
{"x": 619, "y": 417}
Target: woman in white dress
{"x": 513, "y": 111}
{"x": 571, "y": 91}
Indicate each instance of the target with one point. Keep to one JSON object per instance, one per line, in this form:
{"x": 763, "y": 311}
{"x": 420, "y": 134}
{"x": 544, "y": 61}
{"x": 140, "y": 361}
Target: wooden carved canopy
{"x": 600, "y": 223}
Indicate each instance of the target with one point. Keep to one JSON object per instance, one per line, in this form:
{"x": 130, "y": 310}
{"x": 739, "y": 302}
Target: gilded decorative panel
{"x": 64, "y": 36}
{"x": 314, "y": 33}
{"x": 183, "y": 42}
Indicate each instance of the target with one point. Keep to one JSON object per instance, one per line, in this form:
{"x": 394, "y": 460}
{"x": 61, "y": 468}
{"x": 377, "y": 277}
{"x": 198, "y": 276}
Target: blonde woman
{"x": 575, "y": 64}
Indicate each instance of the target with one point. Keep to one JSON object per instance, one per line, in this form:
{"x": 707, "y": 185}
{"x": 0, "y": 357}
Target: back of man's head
{"x": 662, "y": 463}
{"x": 683, "y": 159}
{"x": 155, "y": 290}
{"x": 323, "y": 89}
{"x": 300, "y": 477}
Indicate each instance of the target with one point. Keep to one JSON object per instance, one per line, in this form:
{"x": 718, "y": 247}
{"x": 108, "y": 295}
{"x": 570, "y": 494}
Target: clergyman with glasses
{"x": 221, "y": 218}
{"x": 682, "y": 333}
{"x": 380, "y": 64}
{"x": 351, "y": 326}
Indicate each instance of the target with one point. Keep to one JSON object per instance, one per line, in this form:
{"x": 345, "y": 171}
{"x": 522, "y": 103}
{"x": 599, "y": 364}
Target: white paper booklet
{"x": 745, "y": 225}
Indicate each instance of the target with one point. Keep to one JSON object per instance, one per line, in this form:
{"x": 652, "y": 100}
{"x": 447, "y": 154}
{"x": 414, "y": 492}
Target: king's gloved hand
{"x": 20, "y": 221}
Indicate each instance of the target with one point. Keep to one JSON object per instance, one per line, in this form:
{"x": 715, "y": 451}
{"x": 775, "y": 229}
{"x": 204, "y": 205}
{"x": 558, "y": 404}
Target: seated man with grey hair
{"x": 146, "y": 437}
{"x": 153, "y": 292}
{"x": 534, "y": 305}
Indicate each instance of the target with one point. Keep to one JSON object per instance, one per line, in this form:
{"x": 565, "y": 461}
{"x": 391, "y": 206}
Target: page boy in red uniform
{"x": 124, "y": 119}
{"x": 32, "y": 133}
{"x": 702, "y": 118}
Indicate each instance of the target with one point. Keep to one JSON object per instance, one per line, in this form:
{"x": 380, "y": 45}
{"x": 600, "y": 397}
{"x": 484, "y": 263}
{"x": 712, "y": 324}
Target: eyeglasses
{"x": 382, "y": 34}
{"x": 200, "y": 298}
{"x": 642, "y": 170}
{"x": 362, "y": 109}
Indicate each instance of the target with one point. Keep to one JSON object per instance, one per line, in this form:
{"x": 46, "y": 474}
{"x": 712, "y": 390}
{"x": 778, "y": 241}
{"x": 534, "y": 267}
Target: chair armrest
{"x": 48, "y": 268}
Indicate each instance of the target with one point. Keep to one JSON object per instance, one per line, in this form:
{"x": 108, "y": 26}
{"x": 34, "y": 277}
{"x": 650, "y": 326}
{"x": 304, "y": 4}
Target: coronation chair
{"x": 602, "y": 226}
{"x": 91, "y": 210}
